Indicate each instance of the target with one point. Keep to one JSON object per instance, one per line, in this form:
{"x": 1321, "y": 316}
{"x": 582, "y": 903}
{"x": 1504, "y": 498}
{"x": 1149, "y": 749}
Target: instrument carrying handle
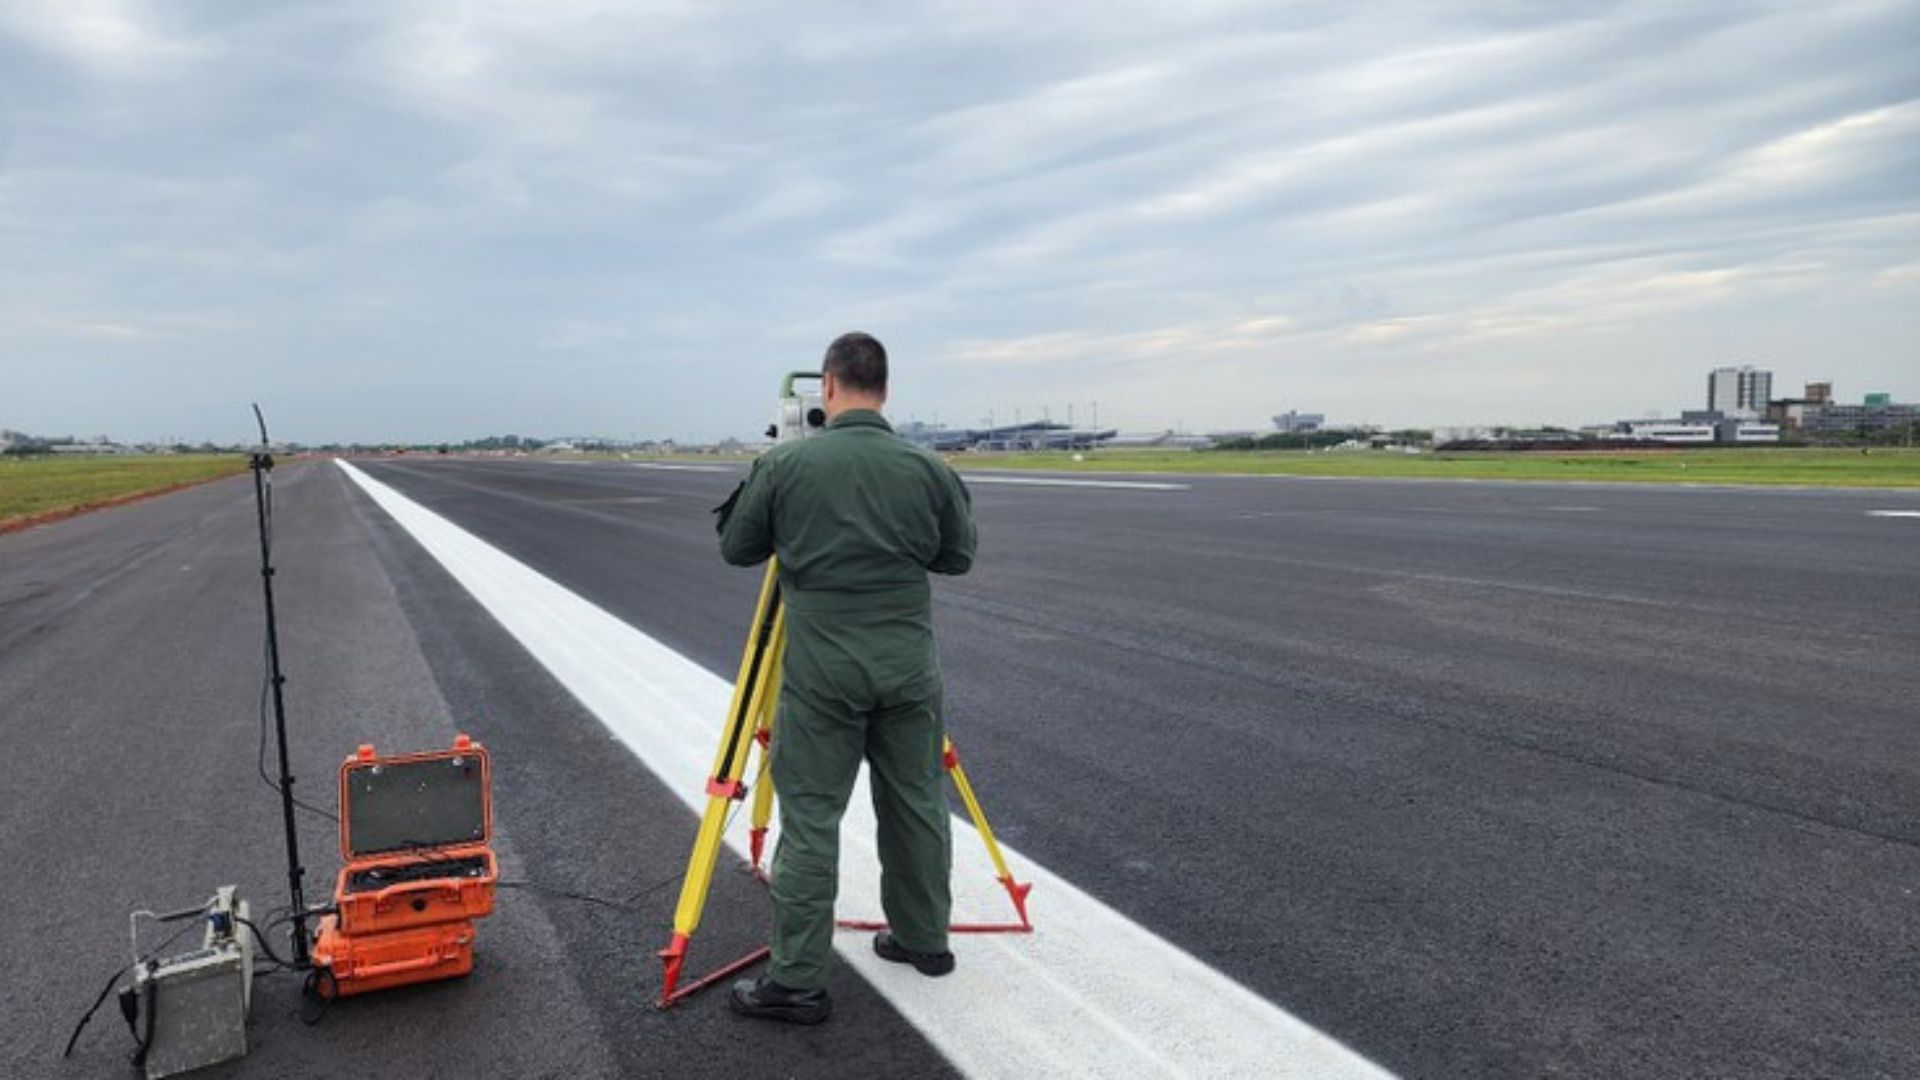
{"x": 394, "y": 894}
{"x": 414, "y": 963}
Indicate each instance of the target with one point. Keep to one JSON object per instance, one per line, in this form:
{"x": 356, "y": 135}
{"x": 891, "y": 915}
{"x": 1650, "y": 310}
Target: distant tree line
{"x": 20, "y": 444}
{"x": 503, "y": 442}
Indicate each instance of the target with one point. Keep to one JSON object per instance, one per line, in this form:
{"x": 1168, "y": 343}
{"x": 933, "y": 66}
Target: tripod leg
{"x": 1016, "y": 890}
{"x": 724, "y": 784}
{"x": 763, "y": 793}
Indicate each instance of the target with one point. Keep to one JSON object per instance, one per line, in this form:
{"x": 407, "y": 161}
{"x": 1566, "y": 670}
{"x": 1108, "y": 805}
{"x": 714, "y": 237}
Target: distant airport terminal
{"x": 1740, "y": 410}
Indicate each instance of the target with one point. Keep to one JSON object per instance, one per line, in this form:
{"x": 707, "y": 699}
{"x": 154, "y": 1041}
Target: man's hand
{"x": 725, "y": 509}
{"x": 745, "y": 520}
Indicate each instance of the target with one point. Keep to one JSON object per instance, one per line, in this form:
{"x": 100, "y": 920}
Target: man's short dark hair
{"x": 859, "y": 361}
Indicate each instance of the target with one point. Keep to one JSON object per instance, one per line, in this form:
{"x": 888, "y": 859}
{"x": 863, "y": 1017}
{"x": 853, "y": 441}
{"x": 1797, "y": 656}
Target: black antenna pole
{"x": 262, "y": 464}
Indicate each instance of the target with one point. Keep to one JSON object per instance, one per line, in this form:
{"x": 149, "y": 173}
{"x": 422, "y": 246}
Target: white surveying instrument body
{"x": 801, "y": 411}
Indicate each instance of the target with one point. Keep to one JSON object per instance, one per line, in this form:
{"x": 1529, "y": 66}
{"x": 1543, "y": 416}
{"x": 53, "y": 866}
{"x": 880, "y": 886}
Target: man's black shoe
{"x": 768, "y": 1000}
{"x": 933, "y": 964}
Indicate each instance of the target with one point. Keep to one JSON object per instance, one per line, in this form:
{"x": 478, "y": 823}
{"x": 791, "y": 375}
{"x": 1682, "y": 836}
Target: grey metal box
{"x": 197, "y": 1002}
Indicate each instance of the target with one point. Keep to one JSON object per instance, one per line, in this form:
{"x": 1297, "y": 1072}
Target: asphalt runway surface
{"x": 1480, "y": 779}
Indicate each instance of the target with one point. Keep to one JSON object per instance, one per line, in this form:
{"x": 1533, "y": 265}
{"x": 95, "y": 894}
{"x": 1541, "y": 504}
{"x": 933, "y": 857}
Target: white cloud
{"x": 108, "y": 37}
{"x": 1328, "y": 206}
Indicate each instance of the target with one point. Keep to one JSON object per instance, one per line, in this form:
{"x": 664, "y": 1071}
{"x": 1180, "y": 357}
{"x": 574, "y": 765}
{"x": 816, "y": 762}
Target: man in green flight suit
{"x": 858, "y": 517}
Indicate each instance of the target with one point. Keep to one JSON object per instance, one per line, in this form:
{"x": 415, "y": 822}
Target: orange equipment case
{"x": 415, "y": 840}
{"x": 415, "y": 833}
{"x": 358, "y": 963}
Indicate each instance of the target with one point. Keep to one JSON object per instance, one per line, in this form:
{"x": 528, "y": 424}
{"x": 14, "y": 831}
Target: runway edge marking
{"x": 1090, "y": 993}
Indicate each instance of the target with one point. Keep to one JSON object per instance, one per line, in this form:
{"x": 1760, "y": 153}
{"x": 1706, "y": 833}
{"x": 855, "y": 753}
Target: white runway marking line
{"x": 1044, "y": 481}
{"x": 1090, "y": 993}
{"x": 684, "y": 468}
{"x": 1894, "y": 513}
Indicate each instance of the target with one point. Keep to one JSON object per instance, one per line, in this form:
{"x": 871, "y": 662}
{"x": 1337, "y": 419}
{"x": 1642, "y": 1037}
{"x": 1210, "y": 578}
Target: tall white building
{"x": 1739, "y": 391}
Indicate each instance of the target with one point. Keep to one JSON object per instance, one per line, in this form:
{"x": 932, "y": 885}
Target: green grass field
{"x": 40, "y": 485}
{"x": 1882, "y": 467}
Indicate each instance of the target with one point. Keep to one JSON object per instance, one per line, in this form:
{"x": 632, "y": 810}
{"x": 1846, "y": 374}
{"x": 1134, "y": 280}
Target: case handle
{"x": 413, "y": 963}
{"x": 394, "y": 894}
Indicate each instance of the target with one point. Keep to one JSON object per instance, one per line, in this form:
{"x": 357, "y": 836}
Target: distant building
{"x": 1789, "y": 412}
{"x": 1293, "y": 423}
{"x": 1700, "y": 427}
{"x": 1866, "y": 419}
{"x": 1818, "y": 414}
{"x": 1747, "y": 431}
{"x": 1666, "y": 431}
{"x": 1735, "y": 428}
{"x": 1032, "y": 435}
{"x": 1739, "y": 391}
{"x": 1166, "y": 440}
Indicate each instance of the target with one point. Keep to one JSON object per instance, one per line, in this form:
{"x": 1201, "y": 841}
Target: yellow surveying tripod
{"x": 750, "y": 718}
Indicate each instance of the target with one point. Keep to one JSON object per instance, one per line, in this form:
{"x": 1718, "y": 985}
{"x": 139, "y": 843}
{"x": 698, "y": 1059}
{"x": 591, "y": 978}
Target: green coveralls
{"x": 857, "y": 516}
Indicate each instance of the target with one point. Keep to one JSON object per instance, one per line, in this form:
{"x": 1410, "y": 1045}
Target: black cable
{"x": 281, "y": 916}
{"x": 102, "y": 999}
{"x": 260, "y": 751}
{"x": 586, "y": 898}
{"x": 97, "y": 1002}
{"x": 153, "y": 1019}
{"x": 258, "y": 935}
{"x": 311, "y": 990}
{"x": 433, "y": 855}
{"x": 171, "y": 938}
{"x": 260, "y": 939}
{"x": 627, "y": 904}
{"x": 318, "y": 975}
{"x": 266, "y": 681}
{"x": 315, "y": 973}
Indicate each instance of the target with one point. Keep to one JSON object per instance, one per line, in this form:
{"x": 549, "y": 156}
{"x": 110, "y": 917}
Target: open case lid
{"x": 413, "y": 802}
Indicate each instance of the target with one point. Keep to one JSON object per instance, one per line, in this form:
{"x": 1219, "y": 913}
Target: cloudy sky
{"x": 415, "y": 219}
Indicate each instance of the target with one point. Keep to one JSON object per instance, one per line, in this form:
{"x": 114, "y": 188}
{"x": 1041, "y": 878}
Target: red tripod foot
{"x": 672, "y": 957}
{"x": 1018, "y": 892}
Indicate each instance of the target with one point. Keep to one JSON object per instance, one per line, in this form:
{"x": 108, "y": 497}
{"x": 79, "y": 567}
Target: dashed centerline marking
{"x": 1894, "y": 513}
{"x": 1047, "y": 481}
{"x": 663, "y": 467}
{"x": 1089, "y": 993}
